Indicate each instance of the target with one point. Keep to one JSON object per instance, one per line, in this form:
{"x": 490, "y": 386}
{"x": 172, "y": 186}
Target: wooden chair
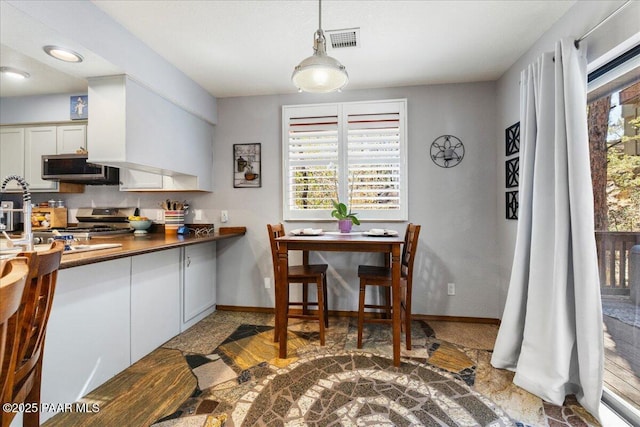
{"x": 303, "y": 274}
{"x": 33, "y": 316}
{"x": 381, "y": 276}
{"x": 12, "y": 282}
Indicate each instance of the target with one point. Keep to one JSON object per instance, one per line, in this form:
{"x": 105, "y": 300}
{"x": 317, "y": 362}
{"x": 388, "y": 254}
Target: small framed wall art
{"x": 79, "y": 105}
{"x": 247, "y": 160}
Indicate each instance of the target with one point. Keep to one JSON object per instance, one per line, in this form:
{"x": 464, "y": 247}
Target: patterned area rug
{"x": 244, "y": 383}
{"x": 362, "y": 389}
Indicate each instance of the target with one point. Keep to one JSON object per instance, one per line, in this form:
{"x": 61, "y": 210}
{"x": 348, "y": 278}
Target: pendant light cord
{"x": 320, "y": 14}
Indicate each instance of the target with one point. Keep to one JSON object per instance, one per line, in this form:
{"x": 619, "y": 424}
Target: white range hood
{"x": 134, "y": 128}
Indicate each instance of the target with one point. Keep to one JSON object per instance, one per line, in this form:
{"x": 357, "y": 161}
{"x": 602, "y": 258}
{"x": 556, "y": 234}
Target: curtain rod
{"x": 611, "y": 15}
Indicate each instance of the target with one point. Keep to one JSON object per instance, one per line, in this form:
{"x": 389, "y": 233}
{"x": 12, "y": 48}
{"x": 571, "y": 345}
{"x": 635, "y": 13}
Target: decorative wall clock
{"x": 447, "y": 151}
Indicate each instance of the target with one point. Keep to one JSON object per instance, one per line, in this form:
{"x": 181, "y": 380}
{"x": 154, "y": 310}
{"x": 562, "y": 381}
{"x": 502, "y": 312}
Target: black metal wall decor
{"x": 447, "y": 151}
{"x": 511, "y": 202}
{"x": 512, "y": 169}
{"x": 512, "y": 172}
{"x": 512, "y": 138}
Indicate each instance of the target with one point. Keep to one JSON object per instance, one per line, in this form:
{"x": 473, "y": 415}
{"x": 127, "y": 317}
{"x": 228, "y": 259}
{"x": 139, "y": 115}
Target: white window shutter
{"x": 361, "y": 146}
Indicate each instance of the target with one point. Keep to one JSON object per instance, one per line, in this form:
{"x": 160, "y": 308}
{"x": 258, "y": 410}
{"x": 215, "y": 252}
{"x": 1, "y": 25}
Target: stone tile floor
{"x": 463, "y": 349}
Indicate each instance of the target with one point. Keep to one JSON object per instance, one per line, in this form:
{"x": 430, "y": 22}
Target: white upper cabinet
{"x": 71, "y": 138}
{"x": 133, "y": 127}
{"x": 39, "y": 141}
{"x": 11, "y": 154}
{"x": 131, "y": 180}
{"x": 22, "y": 148}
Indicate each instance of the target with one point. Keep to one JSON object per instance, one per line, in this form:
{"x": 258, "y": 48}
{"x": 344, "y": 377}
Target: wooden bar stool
{"x": 381, "y": 276}
{"x": 14, "y": 274}
{"x": 303, "y": 274}
{"x": 33, "y": 316}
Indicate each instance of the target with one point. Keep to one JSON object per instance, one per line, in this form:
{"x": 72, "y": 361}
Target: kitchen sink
{"x": 6, "y": 252}
{"x": 96, "y": 247}
{"x": 11, "y": 252}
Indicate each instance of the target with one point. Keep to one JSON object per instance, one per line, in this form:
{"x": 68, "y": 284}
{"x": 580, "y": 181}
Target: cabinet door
{"x": 199, "y": 282}
{"x": 139, "y": 180}
{"x": 71, "y": 138}
{"x": 11, "y": 154}
{"x": 38, "y": 141}
{"x": 88, "y": 337}
{"x": 155, "y": 300}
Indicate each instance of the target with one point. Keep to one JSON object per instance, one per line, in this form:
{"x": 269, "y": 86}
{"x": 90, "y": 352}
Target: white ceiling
{"x": 238, "y": 48}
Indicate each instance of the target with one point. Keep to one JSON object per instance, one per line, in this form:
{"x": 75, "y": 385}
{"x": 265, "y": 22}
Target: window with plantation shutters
{"x": 351, "y": 152}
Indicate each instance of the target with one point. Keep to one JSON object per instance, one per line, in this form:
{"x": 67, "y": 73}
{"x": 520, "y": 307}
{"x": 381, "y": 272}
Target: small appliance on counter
{"x": 93, "y": 222}
{"x": 9, "y": 216}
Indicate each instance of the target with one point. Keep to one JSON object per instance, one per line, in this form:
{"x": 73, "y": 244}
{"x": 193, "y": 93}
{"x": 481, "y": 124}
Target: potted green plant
{"x": 345, "y": 217}
{"x": 341, "y": 211}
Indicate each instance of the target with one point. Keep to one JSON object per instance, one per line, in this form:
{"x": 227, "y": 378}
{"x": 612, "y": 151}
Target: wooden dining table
{"x": 337, "y": 242}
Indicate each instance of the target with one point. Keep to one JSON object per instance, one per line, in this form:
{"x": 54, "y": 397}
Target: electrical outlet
{"x": 451, "y": 288}
{"x": 159, "y": 215}
{"x": 224, "y": 216}
{"x": 197, "y": 214}
{"x": 267, "y": 282}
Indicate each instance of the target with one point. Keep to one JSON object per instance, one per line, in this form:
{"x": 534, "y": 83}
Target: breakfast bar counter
{"x": 137, "y": 245}
{"x": 114, "y": 306}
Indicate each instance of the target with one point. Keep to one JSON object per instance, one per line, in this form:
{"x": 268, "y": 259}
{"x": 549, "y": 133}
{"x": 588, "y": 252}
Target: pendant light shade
{"x": 320, "y": 73}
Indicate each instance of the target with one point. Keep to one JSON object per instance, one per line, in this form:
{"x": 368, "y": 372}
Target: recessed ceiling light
{"x": 14, "y": 73}
{"x": 63, "y": 54}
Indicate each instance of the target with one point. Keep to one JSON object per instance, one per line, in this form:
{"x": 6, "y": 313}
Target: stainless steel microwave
{"x": 76, "y": 169}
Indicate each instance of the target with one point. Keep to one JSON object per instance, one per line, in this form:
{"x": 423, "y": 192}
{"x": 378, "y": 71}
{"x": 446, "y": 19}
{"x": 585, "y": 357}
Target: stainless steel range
{"x": 93, "y": 222}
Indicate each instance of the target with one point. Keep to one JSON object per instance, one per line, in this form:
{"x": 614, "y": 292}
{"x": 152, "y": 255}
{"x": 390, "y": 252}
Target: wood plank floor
{"x": 622, "y": 360}
{"x": 162, "y": 377}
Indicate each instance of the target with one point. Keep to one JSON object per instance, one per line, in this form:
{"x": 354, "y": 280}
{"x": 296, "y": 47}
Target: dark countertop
{"x": 137, "y": 245}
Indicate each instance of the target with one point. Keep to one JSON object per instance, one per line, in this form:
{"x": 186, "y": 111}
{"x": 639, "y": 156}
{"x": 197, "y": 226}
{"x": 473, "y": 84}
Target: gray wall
{"x": 34, "y": 109}
{"x": 607, "y": 42}
{"x": 465, "y": 238}
{"x": 456, "y": 207}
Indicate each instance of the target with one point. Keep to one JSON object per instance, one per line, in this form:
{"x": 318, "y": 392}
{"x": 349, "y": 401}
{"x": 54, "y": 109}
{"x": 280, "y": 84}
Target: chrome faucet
{"x": 27, "y": 235}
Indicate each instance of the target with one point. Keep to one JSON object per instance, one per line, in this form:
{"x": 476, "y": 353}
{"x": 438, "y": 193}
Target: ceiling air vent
{"x": 349, "y": 37}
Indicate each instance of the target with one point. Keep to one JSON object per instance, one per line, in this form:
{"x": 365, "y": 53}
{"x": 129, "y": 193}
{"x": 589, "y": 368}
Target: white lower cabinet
{"x": 88, "y": 338}
{"x": 155, "y": 300}
{"x": 108, "y": 315}
{"x": 198, "y": 283}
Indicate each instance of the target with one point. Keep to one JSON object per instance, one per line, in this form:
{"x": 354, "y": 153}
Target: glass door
{"x": 614, "y": 141}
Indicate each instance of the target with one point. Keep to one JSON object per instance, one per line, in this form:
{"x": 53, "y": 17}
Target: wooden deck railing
{"x": 613, "y": 260}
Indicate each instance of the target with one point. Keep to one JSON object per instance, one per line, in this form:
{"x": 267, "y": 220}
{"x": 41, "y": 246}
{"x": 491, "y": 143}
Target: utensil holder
{"x": 172, "y": 221}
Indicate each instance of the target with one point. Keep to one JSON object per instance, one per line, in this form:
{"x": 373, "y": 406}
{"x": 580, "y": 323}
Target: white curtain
{"x": 551, "y": 333}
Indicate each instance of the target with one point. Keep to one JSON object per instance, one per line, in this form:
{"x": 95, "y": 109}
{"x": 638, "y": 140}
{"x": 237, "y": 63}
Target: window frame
{"x": 342, "y": 111}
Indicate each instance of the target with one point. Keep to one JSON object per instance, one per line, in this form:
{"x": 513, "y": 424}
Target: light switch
{"x": 224, "y": 216}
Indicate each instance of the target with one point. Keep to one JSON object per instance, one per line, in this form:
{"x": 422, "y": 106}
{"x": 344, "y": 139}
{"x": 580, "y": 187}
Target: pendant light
{"x": 320, "y": 73}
